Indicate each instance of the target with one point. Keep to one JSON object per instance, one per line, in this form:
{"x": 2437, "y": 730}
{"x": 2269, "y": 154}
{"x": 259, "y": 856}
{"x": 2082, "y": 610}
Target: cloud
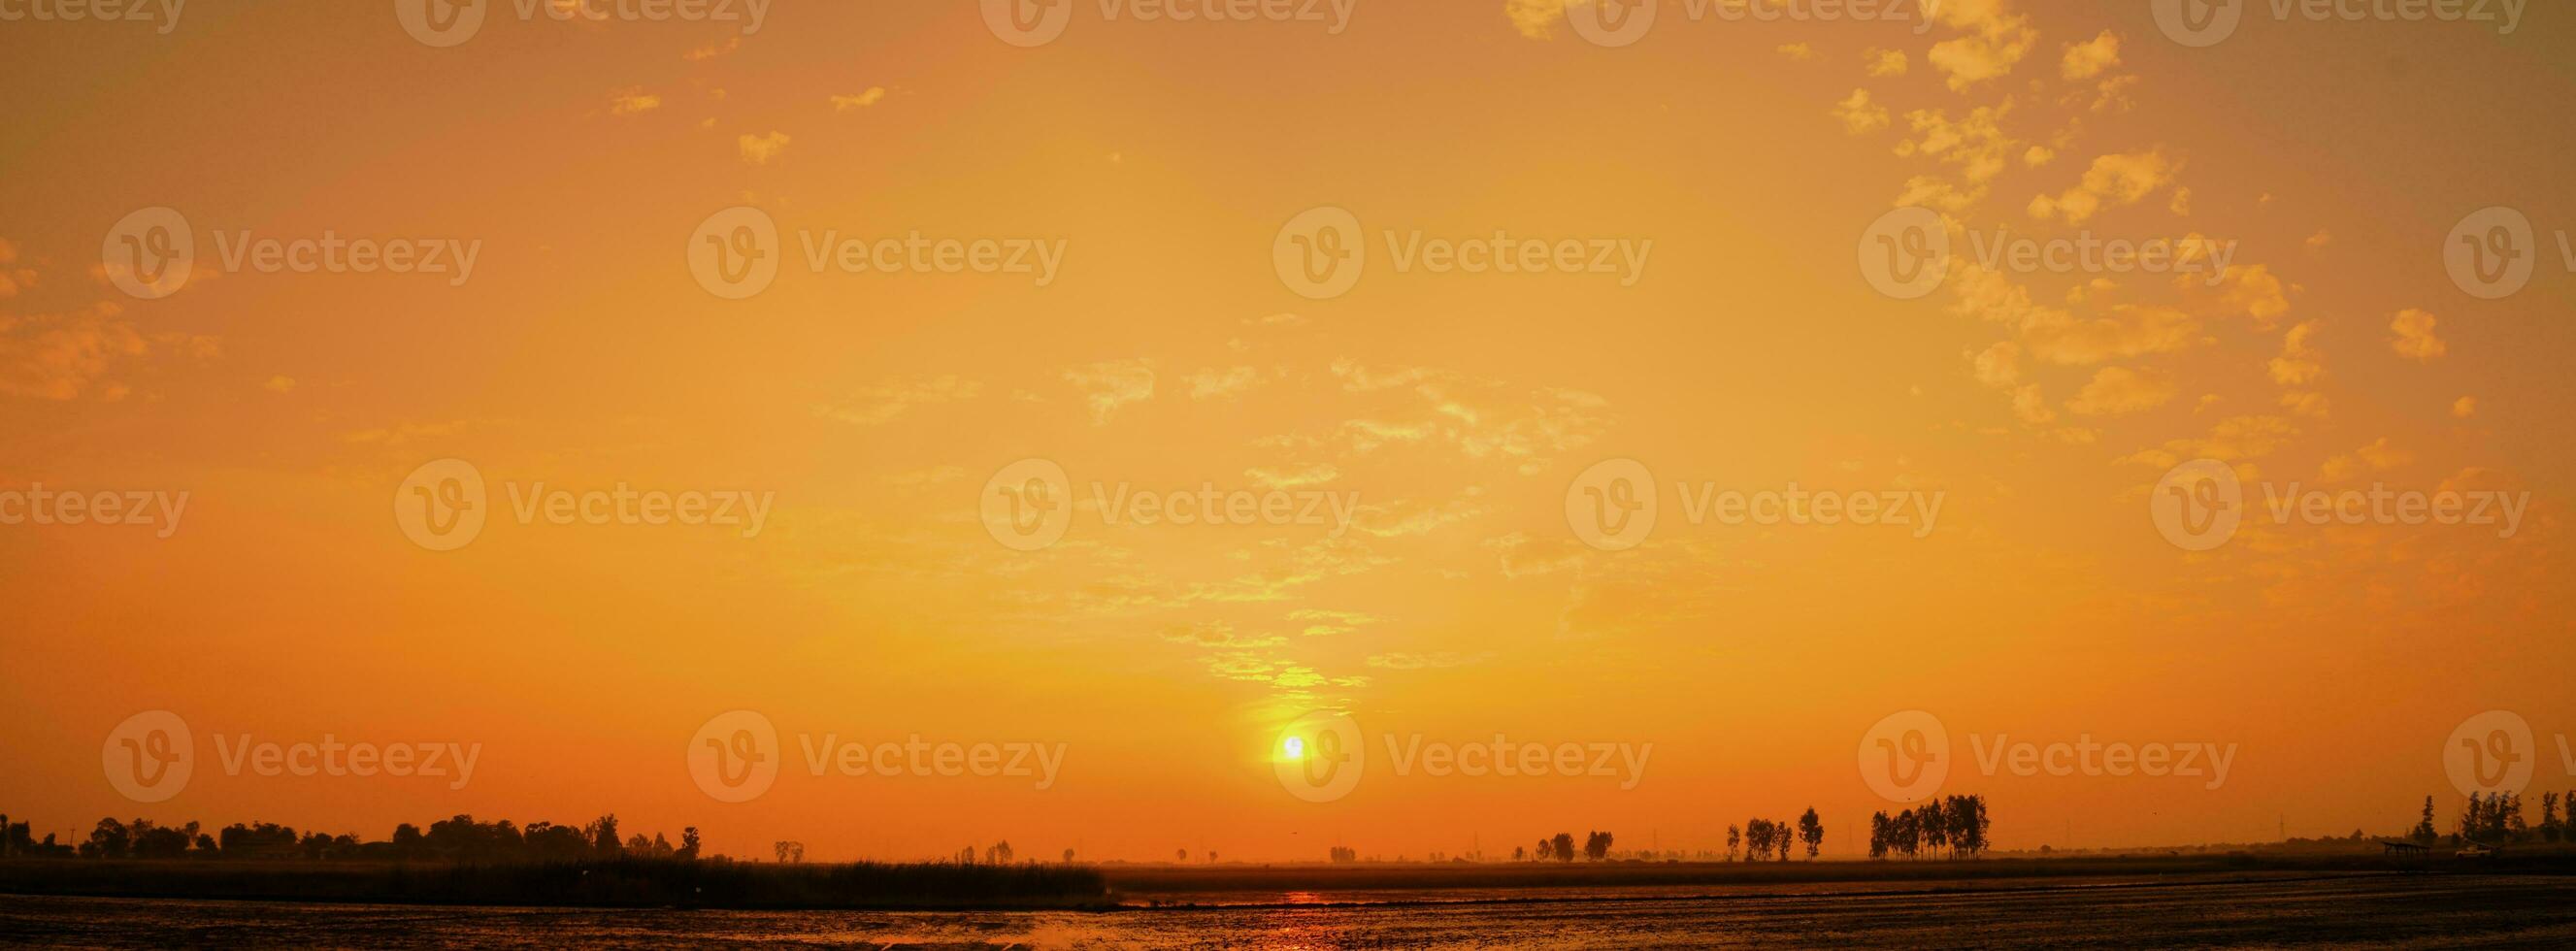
{"x": 2415, "y": 339}
{"x": 279, "y": 384}
{"x": 2236, "y": 438}
{"x": 865, "y": 98}
{"x": 1110, "y": 385}
{"x": 13, "y": 279}
{"x": 704, "y": 53}
{"x": 2464, "y": 407}
{"x": 2119, "y": 390}
{"x": 1859, "y": 115}
{"x": 1441, "y": 660}
{"x": 2114, "y": 180}
{"x": 2031, "y": 407}
{"x": 759, "y": 149}
{"x": 1535, "y": 19}
{"x": 1999, "y": 365}
{"x": 1799, "y": 52}
{"x": 2129, "y": 331}
{"x": 1997, "y": 42}
{"x": 1217, "y": 634}
{"x": 65, "y": 356}
{"x": 2252, "y": 290}
{"x": 1210, "y": 383}
{"x": 1880, "y": 64}
{"x": 632, "y": 100}
{"x": 2299, "y": 363}
{"x": 880, "y": 404}
{"x": 2089, "y": 59}
{"x": 1317, "y": 474}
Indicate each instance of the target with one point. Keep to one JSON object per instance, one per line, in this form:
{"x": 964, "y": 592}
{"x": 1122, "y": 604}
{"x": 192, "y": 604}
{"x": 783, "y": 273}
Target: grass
{"x": 1178, "y": 884}
{"x": 604, "y": 883}
{"x": 667, "y": 883}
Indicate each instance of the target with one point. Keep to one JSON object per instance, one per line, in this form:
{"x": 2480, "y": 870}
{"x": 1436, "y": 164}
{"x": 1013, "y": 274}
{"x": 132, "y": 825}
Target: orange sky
{"x": 1165, "y": 351}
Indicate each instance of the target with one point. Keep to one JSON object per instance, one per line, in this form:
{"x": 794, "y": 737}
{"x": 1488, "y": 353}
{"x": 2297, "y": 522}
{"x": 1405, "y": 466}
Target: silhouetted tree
{"x": 1811, "y": 831}
{"x": 688, "y": 850}
{"x": 2424, "y": 831}
{"x": 1563, "y": 843}
{"x": 1596, "y": 846}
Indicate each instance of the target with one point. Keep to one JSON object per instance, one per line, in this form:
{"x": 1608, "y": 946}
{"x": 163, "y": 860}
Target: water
{"x": 2387, "y": 911}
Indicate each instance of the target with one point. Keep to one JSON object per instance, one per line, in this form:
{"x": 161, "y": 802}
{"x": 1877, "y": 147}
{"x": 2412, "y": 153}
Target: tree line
{"x": 457, "y": 838}
{"x": 1956, "y": 823}
{"x": 2497, "y": 819}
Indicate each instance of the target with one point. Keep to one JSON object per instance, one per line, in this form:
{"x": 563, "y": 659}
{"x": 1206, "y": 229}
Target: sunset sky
{"x": 1458, "y": 411}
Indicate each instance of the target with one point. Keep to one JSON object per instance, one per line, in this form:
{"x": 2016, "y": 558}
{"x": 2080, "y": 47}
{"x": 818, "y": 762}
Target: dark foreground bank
{"x": 2381, "y": 911}
{"x": 584, "y": 883}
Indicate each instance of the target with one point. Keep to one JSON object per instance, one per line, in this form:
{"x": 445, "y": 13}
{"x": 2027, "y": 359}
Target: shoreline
{"x": 1115, "y": 888}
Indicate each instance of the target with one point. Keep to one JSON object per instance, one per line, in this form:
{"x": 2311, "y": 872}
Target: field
{"x": 2196, "y": 909}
